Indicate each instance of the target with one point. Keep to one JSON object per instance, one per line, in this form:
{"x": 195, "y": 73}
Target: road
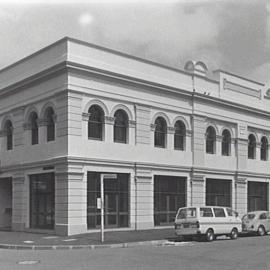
{"x": 247, "y": 253}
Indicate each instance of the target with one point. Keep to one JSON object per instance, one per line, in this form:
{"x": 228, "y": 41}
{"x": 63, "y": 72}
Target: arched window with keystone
{"x": 226, "y": 143}
{"x": 95, "y": 123}
{"x": 160, "y": 132}
{"x": 251, "y": 146}
{"x": 179, "y": 135}
{"x": 264, "y": 148}
{"x": 120, "y": 126}
{"x": 210, "y": 140}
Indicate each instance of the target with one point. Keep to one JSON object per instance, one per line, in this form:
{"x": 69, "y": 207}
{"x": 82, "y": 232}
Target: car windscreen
{"x": 186, "y": 213}
{"x": 248, "y": 216}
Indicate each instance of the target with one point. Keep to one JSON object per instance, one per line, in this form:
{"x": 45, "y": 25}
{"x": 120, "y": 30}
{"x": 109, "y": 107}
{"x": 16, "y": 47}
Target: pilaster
{"x": 170, "y": 138}
{"x": 109, "y": 125}
{"x": 197, "y": 189}
{"x": 241, "y": 195}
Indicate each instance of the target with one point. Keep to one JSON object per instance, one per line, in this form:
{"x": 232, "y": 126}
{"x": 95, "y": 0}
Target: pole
{"x": 102, "y": 206}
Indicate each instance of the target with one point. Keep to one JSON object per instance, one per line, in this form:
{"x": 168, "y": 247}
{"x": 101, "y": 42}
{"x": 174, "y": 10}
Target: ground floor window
{"x": 42, "y": 201}
{"x": 169, "y": 195}
{"x": 116, "y": 201}
{"x": 218, "y": 192}
{"x": 257, "y": 196}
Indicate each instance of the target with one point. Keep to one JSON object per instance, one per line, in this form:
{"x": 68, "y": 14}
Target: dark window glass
{"x": 218, "y": 192}
{"x": 226, "y": 143}
{"x": 9, "y": 135}
{"x": 264, "y": 148}
{"x": 116, "y": 202}
{"x": 257, "y": 196}
{"x": 263, "y": 216}
{"x": 206, "y": 212}
{"x": 49, "y": 116}
{"x": 34, "y": 128}
{"x": 95, "y": 123}
{"x": 210, "y": 140}
{"x": 251, "y": 147}
{"x": 179, "y": 135}
{"x": 42, "y": 202}
{"x": 219, "y": 212}
{"x": 160, "y": 132}
{"x": 120, "y": 126}
{"x": 169, "y": 196}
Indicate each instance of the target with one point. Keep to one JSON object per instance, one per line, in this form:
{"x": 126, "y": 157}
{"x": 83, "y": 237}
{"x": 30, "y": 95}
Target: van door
{"x": 220, "y": 221}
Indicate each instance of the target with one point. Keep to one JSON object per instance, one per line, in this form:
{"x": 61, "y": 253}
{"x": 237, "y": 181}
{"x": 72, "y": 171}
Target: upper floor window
{"x": 160, "y": 132}
{"x": 34, "y": 128}
{"x": 179, "y": 135}
{"x": 120, "y": 126}
{"x": 210, "y": 140}
{"x": 264, "y": 148}
{"x": 9, "y": 134}
{"x": 95, "y": 122}
{"x": 226, "y": 143}
{"x": 49, "y": 116}
{"x": 251, "y": 146}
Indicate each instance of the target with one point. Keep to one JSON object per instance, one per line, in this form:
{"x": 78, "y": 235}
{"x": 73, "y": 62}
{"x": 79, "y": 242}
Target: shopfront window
{"x": 169, "y": 196}
{"x": 42, "y": 201}
{"x": 116, "y": 201}
{"x": 257, "y": 196}
{"x": 218, "y": 192}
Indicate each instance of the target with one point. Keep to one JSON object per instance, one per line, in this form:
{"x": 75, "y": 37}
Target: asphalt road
{"x": 248, "y": 253}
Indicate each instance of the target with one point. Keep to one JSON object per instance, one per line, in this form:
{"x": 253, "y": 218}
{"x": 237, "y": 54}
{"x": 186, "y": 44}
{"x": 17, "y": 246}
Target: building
{"x": 73, "y": 110}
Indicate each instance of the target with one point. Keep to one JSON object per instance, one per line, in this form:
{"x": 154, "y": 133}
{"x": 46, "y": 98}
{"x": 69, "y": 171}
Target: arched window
{"x": 95, "y": 123}
{"x": 264, "y": 148}
{"x": 34, "y": 128}
{"x": 49, "y": 116}
{"x": 160, "y": 132}
{"x": 251, "y": 146}
{"x": 179, "y": 135}
{"x": 9, "y": 134}
{"x": 226, "y": 143}
{"x": 120, "y": 126}
{"x": 210, "y": 140}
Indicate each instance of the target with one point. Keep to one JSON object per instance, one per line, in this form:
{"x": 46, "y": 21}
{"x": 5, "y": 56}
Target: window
{"x": 219, "y": 212}
{"x": 206, "y": 212}
{"x": 49, "y": 115}
{"x": 34, "y": 128}
{"x": 179, "y": 135}
{"x": 120, "y": 126}
{"x": 263, "y": 216}
{"x": 160, "y": 132}
{"x": 264, "y": 148}
{"x": 169, "y": 196}
{"x": 257, "y": 196}
{"x": 9, "y": 135}
{"x": 226, "y": 143}
{"x": 95, "y": 123}
{"x": 251, "y": 146}
{"x": 210, "y": 140}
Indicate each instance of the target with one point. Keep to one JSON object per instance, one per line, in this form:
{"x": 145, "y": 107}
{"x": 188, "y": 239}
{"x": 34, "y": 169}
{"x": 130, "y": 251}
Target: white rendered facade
{"x": 70, "y": 77}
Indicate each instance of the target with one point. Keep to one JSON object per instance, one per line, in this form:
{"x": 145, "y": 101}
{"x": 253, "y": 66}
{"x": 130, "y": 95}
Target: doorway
{"x": 5, "y": 203}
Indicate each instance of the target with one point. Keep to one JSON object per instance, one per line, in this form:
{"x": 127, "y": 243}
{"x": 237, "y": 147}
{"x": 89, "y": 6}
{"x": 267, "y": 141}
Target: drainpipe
{"x": 135, "y": 180}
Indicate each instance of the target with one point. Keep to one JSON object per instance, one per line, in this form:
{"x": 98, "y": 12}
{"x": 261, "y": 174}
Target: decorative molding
{"x": 109, "y": 120}
{"x": 42, "y": 122}
{"x": 131, "y": 123}
{"x": 170, "y": 130}
{"x": 219, "y": 138}
{"x": 85, "y": 116}
{"x": 153, "y": 127}
{"x": 27, "y": 126}
{"x": 189, "y": 133}
{"x": 241, "y": 181}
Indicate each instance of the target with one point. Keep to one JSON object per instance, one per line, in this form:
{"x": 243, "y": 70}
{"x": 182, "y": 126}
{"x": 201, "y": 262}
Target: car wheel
{"x": 261, "y": 231}
{"x": 234, "y": 234}
{"x": 210, "y": 235}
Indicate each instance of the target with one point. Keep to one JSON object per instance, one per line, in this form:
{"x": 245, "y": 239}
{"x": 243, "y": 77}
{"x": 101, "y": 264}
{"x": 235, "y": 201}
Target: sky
{"x": 232, "y": 35}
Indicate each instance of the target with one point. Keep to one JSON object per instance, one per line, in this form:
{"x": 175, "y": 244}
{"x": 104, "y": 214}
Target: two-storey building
{"x": 73, "y": 111}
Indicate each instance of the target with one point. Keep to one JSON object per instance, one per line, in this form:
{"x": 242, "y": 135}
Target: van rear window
{"x": 186, "y": 213}
{"x": 206, "y": 212}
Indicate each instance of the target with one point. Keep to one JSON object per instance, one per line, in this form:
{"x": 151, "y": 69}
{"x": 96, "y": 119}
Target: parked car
{"x": 207, "y": 222}
{"x": 256, "y": 222}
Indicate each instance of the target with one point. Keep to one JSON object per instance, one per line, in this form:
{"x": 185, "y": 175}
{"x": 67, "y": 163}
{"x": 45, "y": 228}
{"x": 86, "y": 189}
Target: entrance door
{"x": 5, "y": 203}
{"x": 42, "y": 201}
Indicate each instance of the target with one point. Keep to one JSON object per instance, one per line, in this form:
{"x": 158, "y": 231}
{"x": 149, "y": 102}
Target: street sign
{"x": 110, "y": 176}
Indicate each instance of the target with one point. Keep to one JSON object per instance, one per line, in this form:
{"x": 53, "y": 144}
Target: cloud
{"x": 85, "y": 19}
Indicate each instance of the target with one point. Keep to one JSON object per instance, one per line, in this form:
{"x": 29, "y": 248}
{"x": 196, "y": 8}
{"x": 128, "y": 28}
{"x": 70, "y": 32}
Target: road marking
{"x": 28, "y": 262}
{"x": 69, "y": 240}
{"x": 50, "y": 237}
{"x": 28, "y": 242}
{"x": 177, "y": 244}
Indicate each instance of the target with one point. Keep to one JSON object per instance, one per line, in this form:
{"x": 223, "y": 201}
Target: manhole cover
{"x": 28, "y": 262}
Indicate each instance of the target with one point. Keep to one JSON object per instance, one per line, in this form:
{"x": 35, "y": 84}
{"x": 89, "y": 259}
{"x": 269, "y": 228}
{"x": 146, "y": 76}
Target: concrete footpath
{"x": 25, "y": 240}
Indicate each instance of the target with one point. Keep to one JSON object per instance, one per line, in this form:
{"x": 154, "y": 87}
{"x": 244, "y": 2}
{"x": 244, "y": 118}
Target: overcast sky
{"x": 233, "y": 35}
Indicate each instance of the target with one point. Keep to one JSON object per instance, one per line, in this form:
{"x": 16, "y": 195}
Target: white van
{"x": 207, "y": 221}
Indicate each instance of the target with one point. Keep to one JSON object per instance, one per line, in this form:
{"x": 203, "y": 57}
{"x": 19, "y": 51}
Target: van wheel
{"x": 209, "y": 235}
{"x": 261, "y": 231}
{"x": 234, "y": 234}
